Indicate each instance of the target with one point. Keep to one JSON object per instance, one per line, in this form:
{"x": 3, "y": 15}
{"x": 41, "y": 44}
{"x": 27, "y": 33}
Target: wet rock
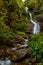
{"x": 17, "y": 40}
{"x": 39, "y": 18}
{"x": 37, "y": 12}
{"x": 20, "y": 55}
{"x": 22, "y": 52}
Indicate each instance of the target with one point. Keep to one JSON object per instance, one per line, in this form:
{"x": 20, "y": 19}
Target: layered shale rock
{"x": 16, "y": 53}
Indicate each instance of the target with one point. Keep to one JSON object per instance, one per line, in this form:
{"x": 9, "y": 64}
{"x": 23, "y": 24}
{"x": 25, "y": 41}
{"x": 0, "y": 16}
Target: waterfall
{"x": 36, "y": 27}
{"x": 23, "y": 0}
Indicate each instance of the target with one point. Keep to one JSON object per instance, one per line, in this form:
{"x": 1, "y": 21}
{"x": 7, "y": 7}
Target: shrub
{"x": 5, "y": 33}
{"x": 36, "y": 47}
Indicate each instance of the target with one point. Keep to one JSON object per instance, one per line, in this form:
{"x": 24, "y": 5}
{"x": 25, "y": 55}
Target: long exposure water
{"x": 36, "y": 27}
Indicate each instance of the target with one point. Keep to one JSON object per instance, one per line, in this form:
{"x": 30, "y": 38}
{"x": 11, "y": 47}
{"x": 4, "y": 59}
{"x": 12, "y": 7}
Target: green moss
{"x": 21, "y": 33}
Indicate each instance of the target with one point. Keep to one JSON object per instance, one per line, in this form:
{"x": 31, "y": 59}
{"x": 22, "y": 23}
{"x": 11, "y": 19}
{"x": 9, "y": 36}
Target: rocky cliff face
{"x": 40, "y": 20}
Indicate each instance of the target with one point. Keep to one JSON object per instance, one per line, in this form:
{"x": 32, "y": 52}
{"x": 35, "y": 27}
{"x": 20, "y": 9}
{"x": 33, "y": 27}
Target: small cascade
{"x": 36, "y": 27}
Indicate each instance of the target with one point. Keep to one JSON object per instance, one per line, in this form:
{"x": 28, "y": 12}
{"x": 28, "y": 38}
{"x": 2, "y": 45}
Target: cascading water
{"x": 36, "y": 27}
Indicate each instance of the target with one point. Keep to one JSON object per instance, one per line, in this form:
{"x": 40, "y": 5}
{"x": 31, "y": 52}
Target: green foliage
{"x": 34, "y": 4}
{"x": 39, "y": 63}
{"x": 16, "y": 16}
{"x": 5, "y": 33}
{"x": 21, "y": 33}
{"x": 41, "y": 4}
{"x": 13, "y": 19}
{"x": 36, "y": 47}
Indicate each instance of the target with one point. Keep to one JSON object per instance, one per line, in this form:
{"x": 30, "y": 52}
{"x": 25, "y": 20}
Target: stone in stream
{"x": 20, "y": 55}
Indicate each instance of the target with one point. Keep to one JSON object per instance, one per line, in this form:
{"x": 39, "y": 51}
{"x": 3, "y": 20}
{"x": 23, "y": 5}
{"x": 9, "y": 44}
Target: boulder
{"x": 20, "y": 55}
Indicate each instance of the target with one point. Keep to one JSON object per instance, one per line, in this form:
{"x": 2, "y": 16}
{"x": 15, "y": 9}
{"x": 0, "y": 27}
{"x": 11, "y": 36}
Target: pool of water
{"x": 5, "y": 62}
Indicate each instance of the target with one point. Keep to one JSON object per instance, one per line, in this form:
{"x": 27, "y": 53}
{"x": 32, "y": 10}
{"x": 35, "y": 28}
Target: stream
{"x": 5, "y": 62}
{"x": 36, "y": 29}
